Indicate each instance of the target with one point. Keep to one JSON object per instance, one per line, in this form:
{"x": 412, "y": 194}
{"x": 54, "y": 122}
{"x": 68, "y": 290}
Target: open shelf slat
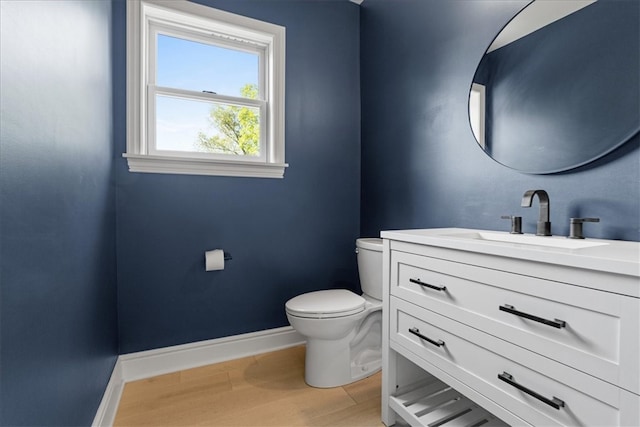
{"x": 435, "y": 404}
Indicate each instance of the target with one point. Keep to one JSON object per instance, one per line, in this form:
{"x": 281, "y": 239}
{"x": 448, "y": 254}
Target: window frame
{"x": 191, "y": 21}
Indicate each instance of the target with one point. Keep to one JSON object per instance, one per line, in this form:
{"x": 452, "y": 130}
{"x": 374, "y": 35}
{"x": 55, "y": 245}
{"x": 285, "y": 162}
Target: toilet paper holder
{"x": 215, "y": 259}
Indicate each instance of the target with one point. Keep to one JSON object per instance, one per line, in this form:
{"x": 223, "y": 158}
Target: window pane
{"x": 206, "y": 127}
{"x": 185, "y": 64}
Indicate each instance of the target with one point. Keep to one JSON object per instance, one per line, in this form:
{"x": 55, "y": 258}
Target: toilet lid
{"x": 323, "y": 304}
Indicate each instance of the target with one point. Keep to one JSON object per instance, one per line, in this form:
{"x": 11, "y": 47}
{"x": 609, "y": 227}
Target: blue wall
{"x": 421, "y": 166}
{"x": 57, "y": 213}
{"x": 286, "y": 236}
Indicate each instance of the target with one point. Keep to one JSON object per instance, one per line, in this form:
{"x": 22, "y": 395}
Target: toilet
{"x": 343, "y": 329}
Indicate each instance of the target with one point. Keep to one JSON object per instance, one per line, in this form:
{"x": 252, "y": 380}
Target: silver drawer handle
{"x": 556, "y": 323}
{"x": 427, "y": 285}
{"x": 416, "y": 332}
{"x": 553, "y": 402}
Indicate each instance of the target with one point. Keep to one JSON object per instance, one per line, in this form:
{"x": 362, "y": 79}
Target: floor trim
{"x": 106, "y": 413}
{"x": 146, "y": 364}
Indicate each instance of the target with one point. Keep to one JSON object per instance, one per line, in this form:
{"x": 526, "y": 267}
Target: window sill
{"x": 189, "y": 166}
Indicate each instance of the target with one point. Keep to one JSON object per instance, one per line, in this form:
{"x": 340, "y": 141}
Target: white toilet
{"x": 343, "y": 330}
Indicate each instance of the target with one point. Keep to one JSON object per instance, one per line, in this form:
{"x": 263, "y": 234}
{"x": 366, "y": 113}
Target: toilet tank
{"x": 370, "y": 266}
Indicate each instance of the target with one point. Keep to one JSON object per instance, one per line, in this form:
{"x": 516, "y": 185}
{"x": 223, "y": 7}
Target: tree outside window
{"x": 237, "y": 129}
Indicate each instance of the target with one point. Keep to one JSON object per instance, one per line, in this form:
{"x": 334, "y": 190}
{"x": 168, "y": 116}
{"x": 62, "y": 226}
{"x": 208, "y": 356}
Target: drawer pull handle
{"x": 554, "y": 402}
{"x": 556, "y": 323}
{"x": 421, "y": 283}
{"x": 416, "y": 332}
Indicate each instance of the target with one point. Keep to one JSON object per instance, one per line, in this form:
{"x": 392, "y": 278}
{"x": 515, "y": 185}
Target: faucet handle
{"x": 516, "y": 223}
{"x": 575, "y": 227}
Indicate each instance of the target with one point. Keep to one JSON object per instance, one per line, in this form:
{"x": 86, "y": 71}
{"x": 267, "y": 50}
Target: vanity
{"x": 490, "y": 328}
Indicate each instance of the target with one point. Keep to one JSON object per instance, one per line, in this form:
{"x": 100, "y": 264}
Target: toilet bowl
{"x": 343, "y": 330}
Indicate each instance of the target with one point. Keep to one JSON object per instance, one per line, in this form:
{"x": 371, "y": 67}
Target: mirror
{"x": 564, "y": 94}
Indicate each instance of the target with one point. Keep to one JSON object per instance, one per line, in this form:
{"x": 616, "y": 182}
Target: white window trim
{"x": 477, "y": 111}
{"x": 139, "y": 156}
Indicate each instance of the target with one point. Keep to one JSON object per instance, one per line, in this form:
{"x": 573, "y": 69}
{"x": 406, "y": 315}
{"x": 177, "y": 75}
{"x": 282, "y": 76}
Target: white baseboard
{"x": 146, "y": 364}
{"x": 106, "y": 413}
{"x": 160, "y": 361}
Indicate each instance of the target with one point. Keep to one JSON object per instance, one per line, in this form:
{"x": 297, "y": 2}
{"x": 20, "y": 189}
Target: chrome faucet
{"x": 544, "y": 225}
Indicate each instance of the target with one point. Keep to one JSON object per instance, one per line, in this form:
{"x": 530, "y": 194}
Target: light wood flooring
{"x": 262, "y": 390}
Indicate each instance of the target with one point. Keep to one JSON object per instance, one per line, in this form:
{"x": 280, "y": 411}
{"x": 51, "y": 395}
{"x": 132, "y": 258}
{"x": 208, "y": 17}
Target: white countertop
{"x": 614, "y": 256}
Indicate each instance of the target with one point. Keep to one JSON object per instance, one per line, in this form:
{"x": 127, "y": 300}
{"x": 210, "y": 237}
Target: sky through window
{"x": 196, "y": 66}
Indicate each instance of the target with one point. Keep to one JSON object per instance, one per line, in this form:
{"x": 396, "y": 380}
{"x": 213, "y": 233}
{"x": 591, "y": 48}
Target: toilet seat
{"x": 326, "y": 304}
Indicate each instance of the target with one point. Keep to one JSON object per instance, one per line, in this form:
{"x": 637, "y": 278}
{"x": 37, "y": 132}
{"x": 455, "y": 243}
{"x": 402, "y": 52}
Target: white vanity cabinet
{"x": 496, "y": 333}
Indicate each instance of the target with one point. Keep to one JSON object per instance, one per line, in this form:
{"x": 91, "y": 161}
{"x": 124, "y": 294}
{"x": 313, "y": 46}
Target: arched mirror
{"x": 559, "y": 87}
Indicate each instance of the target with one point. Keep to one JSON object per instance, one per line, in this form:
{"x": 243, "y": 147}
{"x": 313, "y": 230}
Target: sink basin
{"x": 529, "y": 239}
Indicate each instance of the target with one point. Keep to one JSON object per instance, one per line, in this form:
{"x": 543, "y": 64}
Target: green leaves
{"x": 237, "y": 128}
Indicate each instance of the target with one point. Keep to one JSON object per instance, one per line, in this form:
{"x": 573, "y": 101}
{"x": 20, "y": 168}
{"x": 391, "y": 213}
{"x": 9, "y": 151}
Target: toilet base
{"x": 334, "y": 371}
{"x": 334, "y": 363}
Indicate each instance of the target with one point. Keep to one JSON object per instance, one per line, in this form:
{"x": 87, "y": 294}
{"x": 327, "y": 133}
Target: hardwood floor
{"x": 262, "y": 390}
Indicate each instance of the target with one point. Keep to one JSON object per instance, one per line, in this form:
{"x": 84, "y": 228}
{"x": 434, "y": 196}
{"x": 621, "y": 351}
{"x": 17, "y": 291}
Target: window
{"x": 205, "y": 91}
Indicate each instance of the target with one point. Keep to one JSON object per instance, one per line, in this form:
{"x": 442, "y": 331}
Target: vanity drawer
{"x": 593, "y": 331}
{"x": 480, "y": 361}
